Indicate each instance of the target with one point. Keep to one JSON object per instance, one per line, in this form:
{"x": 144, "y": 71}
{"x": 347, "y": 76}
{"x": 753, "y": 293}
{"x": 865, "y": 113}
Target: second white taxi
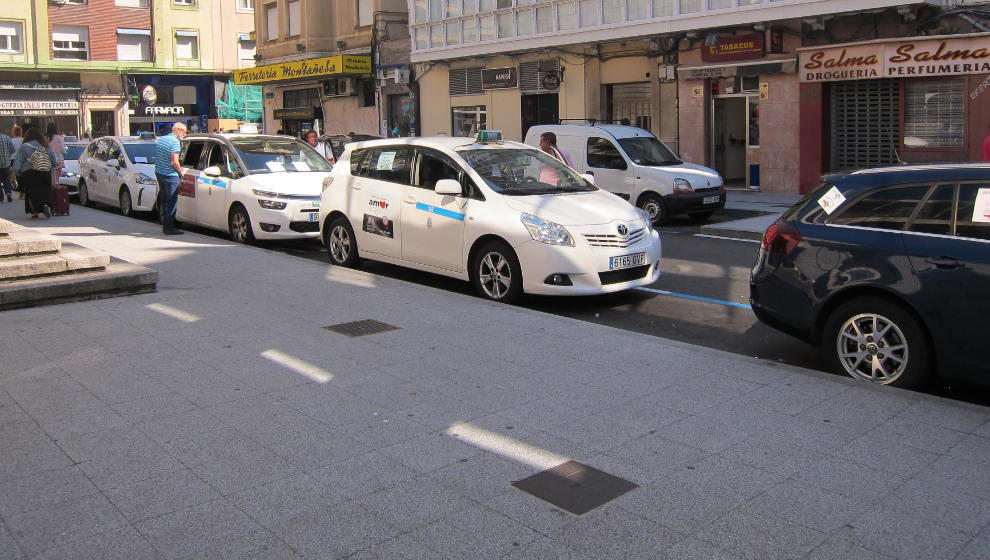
{"x": 119, "y": 171}
{"x": 505, "y": 216}
{"x": 253, "y": 186}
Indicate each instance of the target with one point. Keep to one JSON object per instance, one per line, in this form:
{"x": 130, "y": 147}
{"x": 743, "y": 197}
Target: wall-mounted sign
{"x": 337, "y": 65}
{"x": 39, "y": 105}
{"x": 499, "y": 78}
{"x": 551, "y": 81}
{"x": 697, "y": 91}
{"x": 776, "y": 41}
{"x": 896, "y": 59}
{"x": 164, "y": 110}
{"x": 764, "y": 90}
{"x": 737, "y": 47}
{"x": 302, "y": 113}
{"x": 149, "y": 94}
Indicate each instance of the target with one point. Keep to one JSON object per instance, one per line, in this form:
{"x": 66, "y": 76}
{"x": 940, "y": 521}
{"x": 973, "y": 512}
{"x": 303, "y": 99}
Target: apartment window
{"x": 470, "y": 30}
{"x": 134, "y": 44}
{"x": 453, "y": 8}
{"x": 453, "y": 32}
{"x": 486, "y": 5}
{"x": 567, "y": 16}
{"x": 422, "y": 40}
{"x": 184, "y": 2}
{"x": 436, "y": 35}
{"x": 436, "y": 10}
{"x": 691, "y": 6}
{"x": 524, "y": 22}
{"x": 637, "y": 9}
{"x": 131, "y": 3}
{"x": 245, "y": 5}
{"x": 469, "y": 7}
{"x": 70, "y": 42}
{"x": 246, "y": 50}
{"x": 544, "y": 20}
{"x": 271, "y": 22}
{"x": 419, "y": 11}
{"x": 187, "y": 45}
{"x": 76, "y": 2}
{"x": 589, "y": 13}
{"x": 10, "y": 36}
{"x": 366, "y": 12}
{"x": 611, "y": 11}
{"x": 502, "y": 4}
{"x": 487, "y": 24}
{"x": 504, "y": 22}
{"x": 662, "y": 8}
{"x": 295, "y": 25}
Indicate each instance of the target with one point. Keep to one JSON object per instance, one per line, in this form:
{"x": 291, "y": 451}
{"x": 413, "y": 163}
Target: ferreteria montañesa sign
{"x": 897, "y": 58}
{"x": 341, "y": 64}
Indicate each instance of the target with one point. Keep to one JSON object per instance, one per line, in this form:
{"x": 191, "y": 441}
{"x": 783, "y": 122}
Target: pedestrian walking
{"x": 322, "y": 148}
{"x": 56, "y": 142}
{"x": 33, "y": 164}
{"x": 16, "y": 140}
{"x": 6, "y": 167}
{"x": 168, "y": 172}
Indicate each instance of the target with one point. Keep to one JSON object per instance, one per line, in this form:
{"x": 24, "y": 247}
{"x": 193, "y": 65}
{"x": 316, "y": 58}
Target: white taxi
{"x": 250, "y": 185}
{"x": 505, "y": 216}
{"x": 119, "y": 171}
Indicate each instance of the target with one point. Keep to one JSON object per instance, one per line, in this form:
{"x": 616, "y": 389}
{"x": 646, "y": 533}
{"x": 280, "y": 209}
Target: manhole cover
{"x": 361, "y": 328}
{"x": 575, "y": 487}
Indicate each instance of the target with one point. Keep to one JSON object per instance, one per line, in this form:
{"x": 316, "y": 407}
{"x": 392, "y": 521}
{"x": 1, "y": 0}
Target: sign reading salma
{"x": 898, "y": 58}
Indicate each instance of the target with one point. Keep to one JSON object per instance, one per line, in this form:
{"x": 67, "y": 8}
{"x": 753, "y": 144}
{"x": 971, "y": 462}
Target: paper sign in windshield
{"x": 140, "y": 159}
{"x": 275, "y": 166}
{"x": 385, "y": 161}
{"x": 831, "y": 200}
{"x": 300, "y": 166}
{"x": 981, "y": 209}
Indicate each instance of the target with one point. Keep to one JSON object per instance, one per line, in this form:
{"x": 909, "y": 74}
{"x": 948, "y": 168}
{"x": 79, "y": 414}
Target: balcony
{"x": 443, "y": 29}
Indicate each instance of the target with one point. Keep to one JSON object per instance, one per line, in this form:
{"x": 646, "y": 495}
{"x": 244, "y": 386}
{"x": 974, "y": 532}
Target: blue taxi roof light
{"x": 489, "y": 136}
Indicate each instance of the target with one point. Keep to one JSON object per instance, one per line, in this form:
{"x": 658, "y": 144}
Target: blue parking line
{"x": 697, "y": 298}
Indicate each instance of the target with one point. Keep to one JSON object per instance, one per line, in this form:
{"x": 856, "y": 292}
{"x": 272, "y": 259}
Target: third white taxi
{"x": 505, "y": 216}
{"x": 254, "y": 186}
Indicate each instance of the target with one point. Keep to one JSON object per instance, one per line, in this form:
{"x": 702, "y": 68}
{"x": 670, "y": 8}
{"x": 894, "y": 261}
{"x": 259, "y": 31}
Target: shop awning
{"x": 756, "y": 68}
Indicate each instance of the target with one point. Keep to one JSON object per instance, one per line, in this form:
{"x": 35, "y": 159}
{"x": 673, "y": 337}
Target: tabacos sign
{"x": 896, "y": 59}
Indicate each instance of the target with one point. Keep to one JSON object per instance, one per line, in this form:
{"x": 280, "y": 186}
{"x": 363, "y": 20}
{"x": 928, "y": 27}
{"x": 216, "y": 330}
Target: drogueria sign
{"x": 896, "y": 58}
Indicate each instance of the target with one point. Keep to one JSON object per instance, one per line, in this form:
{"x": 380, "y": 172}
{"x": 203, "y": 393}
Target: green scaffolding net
{"x": 241, "y": 102}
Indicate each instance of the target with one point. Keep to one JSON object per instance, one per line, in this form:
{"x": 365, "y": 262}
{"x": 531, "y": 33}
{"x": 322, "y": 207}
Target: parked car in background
{"x": 507, "y": 217}
{"x": 69, "y": 176}
{"x": 888, "y": 270}
{"x": 253, "y": 186}
{"x": 338, "y": 141}
{"x": 634, "y": 164}
{"x": 119, "y": 171}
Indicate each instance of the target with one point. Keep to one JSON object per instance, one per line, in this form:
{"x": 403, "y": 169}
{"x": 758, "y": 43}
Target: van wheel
{"x": 655, "y": 207}
{"x": 125, "y": 202}
{"x": 340, "y": 243}
{"x": 497, "y": 274}
{"x": 240, "y": 225}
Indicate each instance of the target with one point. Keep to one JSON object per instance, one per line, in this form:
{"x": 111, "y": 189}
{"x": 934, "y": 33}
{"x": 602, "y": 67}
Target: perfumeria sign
{"x": 898, "y": 58}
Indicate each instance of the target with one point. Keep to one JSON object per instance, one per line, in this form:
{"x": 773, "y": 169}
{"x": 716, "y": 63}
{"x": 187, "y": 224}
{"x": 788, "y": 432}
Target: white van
{"x": 633, "y": 164}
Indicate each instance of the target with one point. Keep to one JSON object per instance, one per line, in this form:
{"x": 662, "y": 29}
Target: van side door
{"x": 609, "y": 166}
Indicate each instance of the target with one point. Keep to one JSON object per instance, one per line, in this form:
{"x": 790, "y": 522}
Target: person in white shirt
{"x": 56, "y": 142}
{"x": 322, "y": 148}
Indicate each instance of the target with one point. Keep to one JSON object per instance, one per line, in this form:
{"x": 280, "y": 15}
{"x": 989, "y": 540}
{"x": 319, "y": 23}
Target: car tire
{"x": 239, "y": 225}
{"x": 699, "y": 217}
{"x": 83, "y": 194}
{"x": 496, "y": 273}
{"x": 124, "y": 197}
{"x": 340, "y": 243}
{"x": 655, "y": 207}
{"x": 900, "y": 356}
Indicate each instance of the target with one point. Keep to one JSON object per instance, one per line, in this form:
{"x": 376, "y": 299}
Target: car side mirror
{"x": 212, "y": 171}
{"x": 114, "y": 163}
{"x": 449, "y": 187}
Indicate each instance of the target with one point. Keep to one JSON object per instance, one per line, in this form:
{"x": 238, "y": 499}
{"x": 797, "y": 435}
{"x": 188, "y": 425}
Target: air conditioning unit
{"x": 345, "y": 86}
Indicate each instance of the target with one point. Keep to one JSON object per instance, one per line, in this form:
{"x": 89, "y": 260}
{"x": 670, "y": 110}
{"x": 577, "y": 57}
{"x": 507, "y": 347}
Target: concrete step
{"x": 28, "y": 242}
{"x": 120, "y": 278}
{"x": 47, "y": 265}
{"x": 5, "y": 227}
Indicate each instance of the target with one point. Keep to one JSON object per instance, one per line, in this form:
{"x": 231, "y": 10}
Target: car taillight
{"x": 780, "y": 238}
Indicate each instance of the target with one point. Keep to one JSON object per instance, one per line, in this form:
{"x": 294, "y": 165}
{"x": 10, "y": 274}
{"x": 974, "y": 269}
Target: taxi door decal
{"x": 188, "y": 185}
{"x": 213, "y": 182}
{"x": 459, "y": 216}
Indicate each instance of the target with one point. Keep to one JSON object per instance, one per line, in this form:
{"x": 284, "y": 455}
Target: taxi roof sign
{"x": 489, "y": 136}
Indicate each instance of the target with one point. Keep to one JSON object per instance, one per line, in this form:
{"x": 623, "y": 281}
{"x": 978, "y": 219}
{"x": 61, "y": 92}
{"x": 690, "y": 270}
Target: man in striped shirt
{"x": 168, "y": 172}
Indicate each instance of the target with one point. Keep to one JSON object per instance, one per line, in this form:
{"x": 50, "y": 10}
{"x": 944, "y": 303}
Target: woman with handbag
{"x": 33, "y": 164}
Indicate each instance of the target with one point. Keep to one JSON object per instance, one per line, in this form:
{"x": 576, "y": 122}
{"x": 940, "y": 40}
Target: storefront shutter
{"x": 865, "y": 122}
{"x": 465, "y": 81}
{"x": 531, "y": 74}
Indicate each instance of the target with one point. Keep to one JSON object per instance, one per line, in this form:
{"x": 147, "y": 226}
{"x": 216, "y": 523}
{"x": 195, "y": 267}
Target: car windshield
{"x": 72, "y": 152}
{"x": 647, "y": 150}
{"x": 524, "y": 172}
{"x": 141, "y": 153}
{"x": 278, "y": 154}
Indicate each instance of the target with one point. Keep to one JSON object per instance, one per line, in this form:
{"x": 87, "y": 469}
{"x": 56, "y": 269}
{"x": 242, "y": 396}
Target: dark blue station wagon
{"x": 888, "y": 270}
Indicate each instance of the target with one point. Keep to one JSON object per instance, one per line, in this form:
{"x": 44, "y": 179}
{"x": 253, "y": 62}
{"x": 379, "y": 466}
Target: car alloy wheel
{"x": 125, "y": 202}
{"x": 655, "y": 208}
{"x": 240, "y": 225}
{"x": 83, "y": 194}
{"x": 340, "y": 243}
{"x": 497, "y": 274}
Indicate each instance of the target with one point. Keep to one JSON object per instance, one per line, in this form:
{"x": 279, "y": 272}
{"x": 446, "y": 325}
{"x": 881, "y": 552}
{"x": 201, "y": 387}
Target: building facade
{"x": 84, "y": 64}
{"x": 720, "y": 81}
{"x": 334, "y": 65}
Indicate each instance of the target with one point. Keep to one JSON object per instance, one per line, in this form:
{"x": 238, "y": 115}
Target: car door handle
{"x": 944, "y": 262}
{"x": 409, "y": 201}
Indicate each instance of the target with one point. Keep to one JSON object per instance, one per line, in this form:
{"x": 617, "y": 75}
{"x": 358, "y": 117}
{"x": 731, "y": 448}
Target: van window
{"x": 647, "y": 150}
{"x": 431, "y": 168}
{"x": 604, "y": 155}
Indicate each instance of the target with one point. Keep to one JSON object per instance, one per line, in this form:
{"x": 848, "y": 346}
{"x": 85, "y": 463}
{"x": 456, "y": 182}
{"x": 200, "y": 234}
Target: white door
{"x": 609, "y": 166}
{"x": 373, "y": 206}
{"x": 212, "y": 192}
{"x": 433, "y": 224}
{"x": 187, "y": 207}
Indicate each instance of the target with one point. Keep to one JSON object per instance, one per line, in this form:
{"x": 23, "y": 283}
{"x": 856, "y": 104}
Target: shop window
{"x": 187, "y": 45}
{"x": 309, "y": 97}
{"x": 465, "y": 81}
{"x": 134, "y": 44}
{"x": 245, "y": 5}
{"x": 972, "y": 220}
{"x": 271, "y": 22}
{"x": 183, "y": 95}
{"x": 566, "y": 16}
{"x": 295, "y": 18}
{"x": 11, "y": 33}
{"x": 589, "y": 13}
{"x": 467, "y": 121}
{"x": 70, "y": 42}
{"x": 886, "y": 209}
{"x": 934, "y": 114}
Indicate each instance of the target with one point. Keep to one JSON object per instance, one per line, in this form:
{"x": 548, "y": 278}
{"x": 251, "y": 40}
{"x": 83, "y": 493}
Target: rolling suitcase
{"x": 60, "y": 194}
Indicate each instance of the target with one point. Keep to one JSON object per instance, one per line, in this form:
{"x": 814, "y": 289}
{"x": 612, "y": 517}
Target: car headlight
{"x": 67, "y": 173}
{"x": 646, "y": 218}
{"x": 682, "y": 185}
{"x": 547, "y": 232}
{"x": 143, "y": 179}
{"x": 264, "y": 194}
{"x": 271, "y": 204}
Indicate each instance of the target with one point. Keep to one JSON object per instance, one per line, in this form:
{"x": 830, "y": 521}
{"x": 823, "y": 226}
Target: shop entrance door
{"x": 538, "y": 109}
{"x": 102, "y": 123}
{"x": 731, "y": 135}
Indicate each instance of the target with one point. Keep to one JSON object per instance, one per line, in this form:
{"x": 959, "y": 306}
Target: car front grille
{"x": 624, "y": 275}
{"x": 304, "y": 227}
{"x": 614, "y": 240}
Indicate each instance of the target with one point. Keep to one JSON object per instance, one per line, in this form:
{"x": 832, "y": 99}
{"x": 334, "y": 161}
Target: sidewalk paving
{"x": 218, "y": 418}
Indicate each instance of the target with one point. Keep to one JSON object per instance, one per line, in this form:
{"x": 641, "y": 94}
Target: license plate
{"x": 627, "y": 261}
{"x": 710, "y": 200}
{"x": 314, "y": 216}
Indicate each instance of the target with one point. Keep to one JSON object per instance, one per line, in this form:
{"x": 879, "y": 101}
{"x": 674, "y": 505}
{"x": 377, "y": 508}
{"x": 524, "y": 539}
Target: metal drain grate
{"x": 363, "y": 327}
{"x": 575, "y": 487}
